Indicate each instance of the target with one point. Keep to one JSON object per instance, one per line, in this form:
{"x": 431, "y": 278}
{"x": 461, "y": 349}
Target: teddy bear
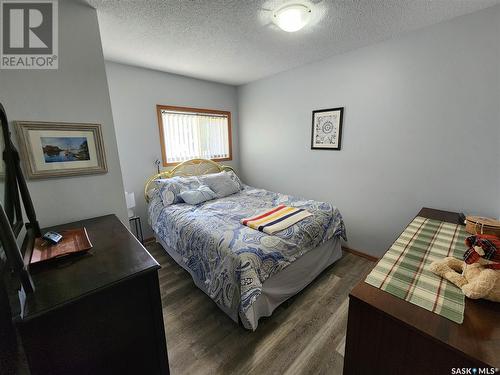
{"x": 478, "y": 275}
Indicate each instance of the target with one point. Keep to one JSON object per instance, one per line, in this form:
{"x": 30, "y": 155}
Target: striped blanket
{"x": 277, "y": 219}
{"x": 404, "y": 269}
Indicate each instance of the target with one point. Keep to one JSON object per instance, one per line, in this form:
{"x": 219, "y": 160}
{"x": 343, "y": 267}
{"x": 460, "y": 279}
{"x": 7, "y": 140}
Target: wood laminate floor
{"x": 305, "y": 335}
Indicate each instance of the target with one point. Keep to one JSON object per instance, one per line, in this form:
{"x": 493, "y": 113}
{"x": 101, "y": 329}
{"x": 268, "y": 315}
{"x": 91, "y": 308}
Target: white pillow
{"x": 196, "y": 196}
{"x": 221, "y": 183}
{"x": 235, "y": 178}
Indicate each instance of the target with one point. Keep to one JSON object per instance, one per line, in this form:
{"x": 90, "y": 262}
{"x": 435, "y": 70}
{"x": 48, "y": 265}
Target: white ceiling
{"x": 235, "y": 42}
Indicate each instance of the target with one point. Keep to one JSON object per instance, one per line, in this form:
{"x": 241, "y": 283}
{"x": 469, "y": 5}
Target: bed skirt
{"x": 278, "y": 288}
{"x": 288, "y": 282}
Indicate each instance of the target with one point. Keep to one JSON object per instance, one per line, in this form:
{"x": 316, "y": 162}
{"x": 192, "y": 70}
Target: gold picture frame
{"x": 61, "y": 149}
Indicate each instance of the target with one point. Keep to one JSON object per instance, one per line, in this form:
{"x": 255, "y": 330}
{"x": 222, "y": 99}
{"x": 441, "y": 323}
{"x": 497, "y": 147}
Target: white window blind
{"x": 189, "y": 135}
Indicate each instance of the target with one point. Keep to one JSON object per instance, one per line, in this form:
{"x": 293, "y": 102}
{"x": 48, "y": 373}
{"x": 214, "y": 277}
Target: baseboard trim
{"x": 360, "y": 254}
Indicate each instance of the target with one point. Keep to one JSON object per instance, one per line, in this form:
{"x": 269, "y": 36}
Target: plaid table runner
{"x": 404, "y": 269}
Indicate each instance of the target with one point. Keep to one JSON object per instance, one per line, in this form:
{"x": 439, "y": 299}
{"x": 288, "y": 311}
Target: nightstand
{"x": 136, "y": 220}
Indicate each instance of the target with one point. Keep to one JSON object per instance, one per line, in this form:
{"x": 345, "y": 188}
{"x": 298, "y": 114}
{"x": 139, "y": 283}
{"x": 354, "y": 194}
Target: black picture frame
{"x": 314, "y": 145}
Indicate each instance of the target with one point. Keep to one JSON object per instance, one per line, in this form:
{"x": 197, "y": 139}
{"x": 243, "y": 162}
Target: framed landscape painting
{"x": 50, "y": 149}
{"x": 327, "y": 129}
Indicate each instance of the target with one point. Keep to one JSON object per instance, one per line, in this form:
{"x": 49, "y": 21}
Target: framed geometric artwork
{"x": 327, "y": 129}
{"x": 56, "y": 149}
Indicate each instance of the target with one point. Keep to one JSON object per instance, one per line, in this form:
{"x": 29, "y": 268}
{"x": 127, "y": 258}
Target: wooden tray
{"x": 74, "y": 241}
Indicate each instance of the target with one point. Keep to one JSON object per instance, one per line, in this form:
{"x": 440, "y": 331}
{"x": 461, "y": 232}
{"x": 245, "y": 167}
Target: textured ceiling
{"x": 234, "y": 41}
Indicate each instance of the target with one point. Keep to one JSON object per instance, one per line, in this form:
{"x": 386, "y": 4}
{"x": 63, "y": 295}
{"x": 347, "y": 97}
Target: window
{"x": 189, "y": 133}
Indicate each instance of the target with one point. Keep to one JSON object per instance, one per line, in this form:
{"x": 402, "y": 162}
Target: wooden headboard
{"x": 193, "y": 167}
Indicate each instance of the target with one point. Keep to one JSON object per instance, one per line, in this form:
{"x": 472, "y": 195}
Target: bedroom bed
{"x": 246, "y": 272}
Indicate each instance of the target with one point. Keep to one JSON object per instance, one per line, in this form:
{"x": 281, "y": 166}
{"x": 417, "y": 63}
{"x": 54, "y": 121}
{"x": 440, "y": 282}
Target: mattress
{"x": 231, "y": 262}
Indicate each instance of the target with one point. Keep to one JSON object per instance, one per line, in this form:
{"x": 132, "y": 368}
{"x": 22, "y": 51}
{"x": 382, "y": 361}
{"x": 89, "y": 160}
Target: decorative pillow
{"x": 202, "y": 194}
{"x": 168, "y": 190}
{"x": 221, "y": 183}
{"x": 153, "y": 193}
{"x": 235, "y": 178}
{"x": 187, "y": 183}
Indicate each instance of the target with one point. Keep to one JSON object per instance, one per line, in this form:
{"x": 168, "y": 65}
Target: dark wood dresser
{"x": 387, "y": 335}
{"x": 97, "y": 313}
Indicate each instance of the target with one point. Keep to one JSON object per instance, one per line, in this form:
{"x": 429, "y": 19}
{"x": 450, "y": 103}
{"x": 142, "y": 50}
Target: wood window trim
{"x": 160, "y": 108}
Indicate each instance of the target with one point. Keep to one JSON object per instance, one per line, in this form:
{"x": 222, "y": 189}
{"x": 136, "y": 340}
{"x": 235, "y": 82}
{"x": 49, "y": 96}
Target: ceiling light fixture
{"x": 292, "y": 17}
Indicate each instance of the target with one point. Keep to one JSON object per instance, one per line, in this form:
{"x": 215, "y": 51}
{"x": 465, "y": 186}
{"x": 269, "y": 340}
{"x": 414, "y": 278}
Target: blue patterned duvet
{"x": 231, "y": 260}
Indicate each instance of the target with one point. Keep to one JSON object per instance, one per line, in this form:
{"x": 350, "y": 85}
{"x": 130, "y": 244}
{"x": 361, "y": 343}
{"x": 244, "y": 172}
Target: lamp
{"x": 130, "y": 199}
{"x": 292, "y": 17}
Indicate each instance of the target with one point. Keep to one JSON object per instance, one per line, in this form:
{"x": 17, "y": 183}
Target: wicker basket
{"x": 482, "y": 225}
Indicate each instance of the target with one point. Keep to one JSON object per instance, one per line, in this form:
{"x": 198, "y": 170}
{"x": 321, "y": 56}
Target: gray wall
{"x": 135, "y": 92}
{"x": 76, "y": 92}
{"x": 421, "y": 128}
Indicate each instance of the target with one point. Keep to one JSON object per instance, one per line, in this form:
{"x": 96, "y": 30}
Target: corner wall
{"x": 421, "y": 128}
{"x": 76, "y": 92}
{"x": 134, "y": 93}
